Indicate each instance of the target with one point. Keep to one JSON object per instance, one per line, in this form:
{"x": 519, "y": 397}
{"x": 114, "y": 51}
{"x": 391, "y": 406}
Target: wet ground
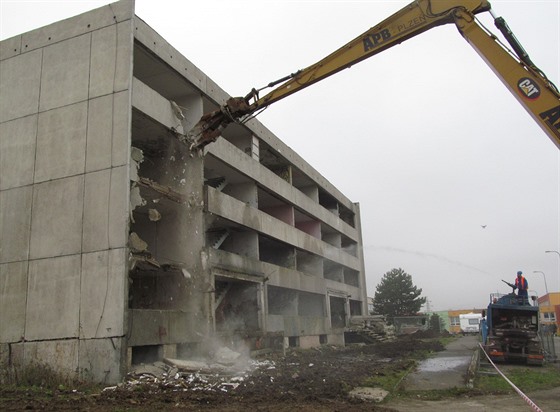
{"x": 446, "y": 369}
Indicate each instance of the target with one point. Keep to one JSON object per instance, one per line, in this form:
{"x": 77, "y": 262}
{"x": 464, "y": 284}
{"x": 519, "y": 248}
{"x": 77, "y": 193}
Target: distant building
{"x": 549, "y": 308}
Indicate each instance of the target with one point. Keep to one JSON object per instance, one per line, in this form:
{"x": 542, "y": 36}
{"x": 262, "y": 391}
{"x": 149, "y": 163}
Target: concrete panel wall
{"x": 65, "y": 116}
{"x": 61, "y": 355}
{"x": 15, "y": 222}
{"x": 53, "y": 301}
{"x": 65, "y": 73}
{"x": 20, "y": 85}
{"x": 108, "y": 131}
{"x": 57, "y": 210}
{"x": 17, "y": 151}
{"x": 103, "y": 294}
{"x": 100, "y": 359}
{"x": 13, "y": 278}
{"x": 61, "y": 142}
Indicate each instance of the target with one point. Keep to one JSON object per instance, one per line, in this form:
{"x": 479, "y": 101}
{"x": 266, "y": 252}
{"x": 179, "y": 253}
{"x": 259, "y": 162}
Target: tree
{"x": 396, "y": 295}
{"x": 435, "y": 322}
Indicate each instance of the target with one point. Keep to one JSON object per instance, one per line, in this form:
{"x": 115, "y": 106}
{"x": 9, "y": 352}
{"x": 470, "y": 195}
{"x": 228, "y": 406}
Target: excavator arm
{"x": 531, "y": 87}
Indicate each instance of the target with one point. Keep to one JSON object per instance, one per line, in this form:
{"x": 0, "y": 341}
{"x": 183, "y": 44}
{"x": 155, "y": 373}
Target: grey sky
{"x": 424, "y": 136}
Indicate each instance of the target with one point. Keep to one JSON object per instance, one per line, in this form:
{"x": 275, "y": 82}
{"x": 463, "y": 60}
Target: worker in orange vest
{"x": 522, "y": 285}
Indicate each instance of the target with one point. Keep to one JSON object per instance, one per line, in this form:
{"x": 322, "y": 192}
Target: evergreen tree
{"x": 396, "y": 295}
{"x": 435, "y": 322}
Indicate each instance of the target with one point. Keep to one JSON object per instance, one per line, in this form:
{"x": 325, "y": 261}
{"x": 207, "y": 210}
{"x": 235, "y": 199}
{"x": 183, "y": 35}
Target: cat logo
{"x": 528, "y": 88}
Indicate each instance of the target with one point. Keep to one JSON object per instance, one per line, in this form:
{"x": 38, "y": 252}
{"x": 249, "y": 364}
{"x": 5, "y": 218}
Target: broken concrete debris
{"x": 224, "y": 373}
{"x": 154, "y": 215}
{"x": 136, "y": 243}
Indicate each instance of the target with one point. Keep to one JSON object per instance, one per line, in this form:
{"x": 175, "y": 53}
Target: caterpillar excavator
{"x": 538, "y": 95}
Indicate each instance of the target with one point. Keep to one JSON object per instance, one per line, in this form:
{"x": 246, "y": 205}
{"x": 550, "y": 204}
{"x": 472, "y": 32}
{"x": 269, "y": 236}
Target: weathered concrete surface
{"x": 446, "y": 370}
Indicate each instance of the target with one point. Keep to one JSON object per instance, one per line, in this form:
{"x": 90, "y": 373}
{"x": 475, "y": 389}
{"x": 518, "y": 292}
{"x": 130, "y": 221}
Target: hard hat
{"x": 519, "y": 272}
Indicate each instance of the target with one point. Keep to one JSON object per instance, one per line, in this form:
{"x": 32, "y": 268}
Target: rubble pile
{"x": 224, "y": 374}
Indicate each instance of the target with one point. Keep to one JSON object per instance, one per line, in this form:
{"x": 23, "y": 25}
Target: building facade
{"x": 119, "y": 245}
{"x": 549, "y": 309}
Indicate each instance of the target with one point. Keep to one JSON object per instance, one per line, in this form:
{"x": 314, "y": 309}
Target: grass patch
{"x": 525, "y": 378}
{"x": 390, "y": 378}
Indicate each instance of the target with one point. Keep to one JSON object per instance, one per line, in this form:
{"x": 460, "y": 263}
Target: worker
{"x": 522, "y": 285}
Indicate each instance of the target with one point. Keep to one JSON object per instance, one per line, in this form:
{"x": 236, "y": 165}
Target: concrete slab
{"x": 13, "y": 294}
{"x": 96, "y": 211}
{"x": 111, "y": 69}
{"x": 78, "y": 25}
{"x": 65, "y": 73}
{"x": 118, "y": 207}
{"x": 99, "y": 133}
{"x": 56, "y": 227}
{"x": 10, "y": 47}
{"x": 100, "y": 360}
{"x": 19, "y": 85}
{"x": 108, "y": 131}
{"x": 53, "y": 302}
{"x": 61, "y": 355}
{"x": 103, "y": 288}
{"x": 121, "y": 128}
{"x": 17, "y": 152}
{"x": 15, "y": 223}
{"x": 61, "y": 142}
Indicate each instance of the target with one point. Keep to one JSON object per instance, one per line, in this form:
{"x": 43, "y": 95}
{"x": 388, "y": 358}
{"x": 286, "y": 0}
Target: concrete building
{"x": 119, "y": 245}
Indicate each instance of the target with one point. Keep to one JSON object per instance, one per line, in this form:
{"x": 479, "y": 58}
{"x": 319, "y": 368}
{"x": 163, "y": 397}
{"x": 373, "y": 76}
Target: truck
{"x": 512, "y": 326}
{"x": 470, "y": 323}
{"x": 528, "y": 84}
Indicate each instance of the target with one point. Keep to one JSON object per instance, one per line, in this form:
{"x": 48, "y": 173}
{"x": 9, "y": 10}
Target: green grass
{"x": 525, "y": 378}
{"x": 390, "y": 378}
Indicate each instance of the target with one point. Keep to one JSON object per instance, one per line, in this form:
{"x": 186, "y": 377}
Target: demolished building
{"x": 119, "y": 245}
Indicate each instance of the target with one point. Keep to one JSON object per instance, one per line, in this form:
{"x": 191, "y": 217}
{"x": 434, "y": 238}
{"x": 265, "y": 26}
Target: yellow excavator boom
{"x": 528, "y": 84}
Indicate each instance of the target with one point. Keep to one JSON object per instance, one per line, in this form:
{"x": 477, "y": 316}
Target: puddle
{"x": 442, "y": 364}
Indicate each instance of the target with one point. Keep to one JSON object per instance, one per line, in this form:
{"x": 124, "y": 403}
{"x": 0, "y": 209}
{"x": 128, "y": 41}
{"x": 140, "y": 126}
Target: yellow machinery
{"x": 525, "y": 81}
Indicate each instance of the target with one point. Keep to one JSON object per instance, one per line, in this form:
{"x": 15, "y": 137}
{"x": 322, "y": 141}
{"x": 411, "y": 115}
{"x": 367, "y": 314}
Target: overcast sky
{"x": 423, "y": 136}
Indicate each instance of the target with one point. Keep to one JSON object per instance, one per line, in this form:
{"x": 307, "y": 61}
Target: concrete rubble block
{"x": 368, "y": 394}
{"x": 65, "y": 73}
{"x": 19, "y": 85}
{"x": 53, "y": 300}
{"x": 110, "y": 59}
{"x": 194, "y": 366}
{"x": 56, "y": 227}
{"x": 61, "y": 142}
{"x": 17, "y": 152}
{"x": 60, "y": 355}
{"x": 103, "y": 287}
{"x": 13, "y": 293}
{"x": 157, "y": 369}
{"x": 15, "y": 223}
{"x": 100, "y": 360}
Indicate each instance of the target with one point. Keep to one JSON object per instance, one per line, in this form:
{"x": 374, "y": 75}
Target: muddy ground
{"x": 307, "y": 380}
